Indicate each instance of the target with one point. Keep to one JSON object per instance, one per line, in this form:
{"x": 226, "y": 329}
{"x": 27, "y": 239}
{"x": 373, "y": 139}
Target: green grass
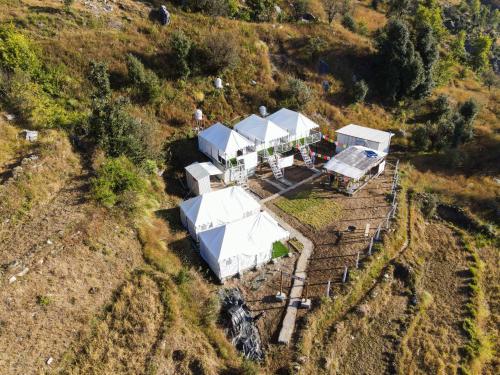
{"x": 279, "y": 250}
{"x": 311, "y": 208}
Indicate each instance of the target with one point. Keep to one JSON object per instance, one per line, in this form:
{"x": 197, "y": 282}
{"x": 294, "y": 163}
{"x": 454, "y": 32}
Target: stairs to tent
{"x": 305, "y": 152}
{"x": 273, "y": 163}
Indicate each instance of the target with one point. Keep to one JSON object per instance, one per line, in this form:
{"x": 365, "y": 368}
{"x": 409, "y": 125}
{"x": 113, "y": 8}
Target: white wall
{"x": 344, "y": 141}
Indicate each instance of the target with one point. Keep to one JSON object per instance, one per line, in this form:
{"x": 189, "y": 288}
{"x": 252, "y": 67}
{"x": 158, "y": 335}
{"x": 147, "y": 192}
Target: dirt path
{"x": 58, "y": 267}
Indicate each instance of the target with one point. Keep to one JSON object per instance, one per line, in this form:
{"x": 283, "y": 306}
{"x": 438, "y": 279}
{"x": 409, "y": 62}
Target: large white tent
{"x": 295, "y": 123}
{"x": 240, "y": 245}
{"x": 263, "y": 132}
{"x": 219, "y": 140}
{"x": 217, "y": 208}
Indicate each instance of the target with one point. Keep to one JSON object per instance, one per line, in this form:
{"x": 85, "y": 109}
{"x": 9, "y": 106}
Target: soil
{"x": 67, "y": 258}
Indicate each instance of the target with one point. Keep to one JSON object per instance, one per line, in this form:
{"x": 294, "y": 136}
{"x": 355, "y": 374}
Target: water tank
{"x": 218, "y": 83}
{"x": 198, "y": 115}
{"x": 263, "y": 111}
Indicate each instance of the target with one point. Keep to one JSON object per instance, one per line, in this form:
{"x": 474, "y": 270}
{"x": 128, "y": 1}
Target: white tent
{"x": 219, "y": 140}
{"x": 262, "y": 131}
{"x": 217, "y": 208}
{"x": 355, "y": 161}
{"x": 240, "y": 245}
{"x": 295, "y": 123}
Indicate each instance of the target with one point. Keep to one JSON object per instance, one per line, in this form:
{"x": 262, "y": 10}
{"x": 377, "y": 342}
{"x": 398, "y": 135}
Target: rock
{"x": 302, "y": 359}
{"x": 23, "y": 272}
{"x": 93, "y": 290}
{"x": 49, "y": 361}
{"x": 49, "y": 242}
{"x": 12, "y": 279}
{"x": 10, "y": 117}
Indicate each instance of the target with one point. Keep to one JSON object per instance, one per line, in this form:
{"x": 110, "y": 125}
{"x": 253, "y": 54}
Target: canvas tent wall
{"x": 240, "y": 245}
{"x": 198, "y": 177}
{"x": 355, "y": 165}
{"x": 296, "y": 124}
{"x": 355, "y": 135}
{"x": 217, "y": 208}
{"x": 263, "y": 132}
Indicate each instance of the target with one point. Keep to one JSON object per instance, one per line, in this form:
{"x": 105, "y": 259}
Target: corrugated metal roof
{"x": 354, "y": 161}
{"x": 365, "y": 133}
{"x": 201, "y": 170}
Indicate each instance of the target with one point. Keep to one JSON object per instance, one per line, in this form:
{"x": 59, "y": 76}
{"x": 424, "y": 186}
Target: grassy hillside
{"x": 142, "y": 303}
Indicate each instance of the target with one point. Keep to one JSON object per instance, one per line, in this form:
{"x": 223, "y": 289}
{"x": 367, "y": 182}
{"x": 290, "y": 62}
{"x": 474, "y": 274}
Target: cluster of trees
{"x": 218, "y": 51}
{"x": 450, "y": 127}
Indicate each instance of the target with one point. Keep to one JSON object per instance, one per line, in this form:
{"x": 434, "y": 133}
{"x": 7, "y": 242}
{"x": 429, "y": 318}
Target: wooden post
{"x": 357, "y": 260}
{"x": 328, "y": 289}
{"x": 387, "y": 219}
{"x": 377, "y": 236}
{"x": 370, "y": 247}
{"x": 344, "y": 278}
{"x": 367, "y": 229}
{"x": 281, "y": 283}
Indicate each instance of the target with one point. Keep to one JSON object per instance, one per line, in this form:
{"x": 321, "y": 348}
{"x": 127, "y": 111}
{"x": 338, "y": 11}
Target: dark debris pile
{"x": 241, "y": 328}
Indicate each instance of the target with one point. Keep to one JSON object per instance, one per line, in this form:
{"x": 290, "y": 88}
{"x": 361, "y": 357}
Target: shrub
{"x": 220, "y": 51}
{"x": 213, "y": 7}
{"x": 182, "y": 277}
{"x": 420, "y": 138}
{"x": 359, "y": 91}
{"x": 181, "y": 47}
{"x": 261, "y": 10}
{"x": 43, "y": 300}
{"x": 349, "y": 23}
{"x": 117, "y": 181}
{"x": 17, "y": 53}
{"x": 297, "y": 94}
{"x": 145, "y": 81}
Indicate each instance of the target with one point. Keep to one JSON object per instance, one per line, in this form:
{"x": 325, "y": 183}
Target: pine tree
{"x": 427, "y": 47}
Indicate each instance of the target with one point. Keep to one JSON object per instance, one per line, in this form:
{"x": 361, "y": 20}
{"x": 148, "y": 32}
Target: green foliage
{"x": 17, "y": 53}
{"x": 429, "y": 15}
{"x": 400, "y": 68}
{"x": 420, "y": 138}
{"x": 490, "y": 79}
{"x": 182, "y": 277}
{"x": 314, "y": 47}
{"x": 279, "y": 250}
{"x": 428, "y": 205}
{"x": 464, "y": 122}
{"x": 181, "y": 47}
{"x": 397, "y": 8}
{"x": 332, "y": 8}
{"x": 359, "y": 91}
{"x": 68, "y": 3}
{"x": 427, "y": 47}
{"x": 297, "y": 94}
{"x": 349, "y": 23}
{"x": 99, "y": 78}
{"x": 481, "y": 48}
{"x": 261, "y": 10}
{"x": 300, "y": 7}
{"x": 458, "y": 46}
{"x": 145, "y": 81}
{"x": 117, "y": 183}
{"x": 43, "y": 301}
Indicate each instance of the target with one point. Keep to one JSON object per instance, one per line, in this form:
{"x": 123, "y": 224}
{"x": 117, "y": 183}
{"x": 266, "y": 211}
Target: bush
{"x": 116, "y": 183}
{"x": 420, "y": 138}
{"x": 220, "y": 51}
{"x": 261, "y": 10}
{"x": 181, "y": 47}
{"x": 349, "y": 23}
{"x": 297, "y": 94}
{"x": 359, "y": 91}
{"x": 145, "y": 81}
{"x": 17, "y": 53}
{"x": 213, "y": 7}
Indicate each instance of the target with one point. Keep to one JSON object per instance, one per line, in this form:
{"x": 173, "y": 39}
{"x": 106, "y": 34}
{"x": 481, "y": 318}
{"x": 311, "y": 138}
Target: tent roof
{"x": 354, "y": 161}
{"x": 262, "y": 129}
{"x": 365, "y": 133}
{"x": 219, "y": 207}
{"x": 202, "y": 170}
{"x": 247, "y": 236}
{"x": 293, "y": 122}
{"x": 224, "y": 139}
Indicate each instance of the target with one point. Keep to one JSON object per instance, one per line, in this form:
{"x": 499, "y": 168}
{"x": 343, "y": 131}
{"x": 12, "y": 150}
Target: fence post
{"x": 357, "y": 261}
{"x": 328, "y": 289}
{"x": 344, "y": 277}
{"x": 394, "y": 209}
{"x": 377, "y": 236}
{"x": 370, "y": 247}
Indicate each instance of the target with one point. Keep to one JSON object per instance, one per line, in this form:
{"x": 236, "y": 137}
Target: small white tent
{"x": 240, "y": 245}
{"x": 295, "y": 123}
{"x": 217, "y": 208}
{"x": 263, "y": 132}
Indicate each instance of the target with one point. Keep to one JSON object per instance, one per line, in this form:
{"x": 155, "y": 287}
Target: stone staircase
{"x": 305, "y": 152}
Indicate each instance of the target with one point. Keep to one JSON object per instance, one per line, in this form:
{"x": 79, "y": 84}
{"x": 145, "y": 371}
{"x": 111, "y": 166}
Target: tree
{"x": 464, "y": 122}
{"x": 145, "y": 81}
{"x": 481, "y": 47}
{"x": 490, "y": 79}
{"x": 297, "y": 93}
{"x": 427, "y": 47}
{"x": 458, "y": 46}
{"x": 397, "y": 8}
{"x": 220, "y": 52}
{"x": 99, "y": 78}
{"x": 261, "y": 10}
{"x": 181, "y": 47}
{"x": 420, "y": 138}
{"x": 400, "y": 68}
{"x": 442, "y": 108}
{"x": 349, "y": 23}
{"x": 429, "y": 14}
{"x": 332, "y": 8}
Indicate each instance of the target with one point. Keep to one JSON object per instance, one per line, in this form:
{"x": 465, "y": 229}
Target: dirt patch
{"x": 262, "y": 188}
